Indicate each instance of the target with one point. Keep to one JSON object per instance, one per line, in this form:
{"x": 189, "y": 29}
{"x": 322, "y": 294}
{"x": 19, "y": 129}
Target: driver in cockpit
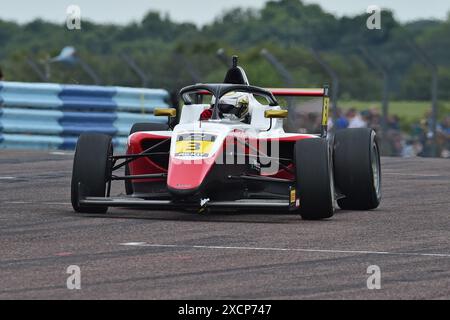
{"x": 233, "y": 106}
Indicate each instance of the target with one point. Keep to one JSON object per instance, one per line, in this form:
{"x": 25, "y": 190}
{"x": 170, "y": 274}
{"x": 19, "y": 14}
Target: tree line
{"x": 174, "y": 54}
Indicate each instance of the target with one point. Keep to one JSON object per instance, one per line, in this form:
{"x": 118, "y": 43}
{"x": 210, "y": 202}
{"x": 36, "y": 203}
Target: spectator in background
{"x": 365, "y": 115}
{"x": 375, "y": 119}
{"x": 429, "y": 123}
{"x": 341, "y": 121}
{"x": 302, "y": 123}
{"x": 443, "y": 137}
{"x": 396, "y": 142}
{"x": 444, "y": 127}
{"x": 426, "y": 134}
{"x": 393, "y": 122}
{"x": 355, "y": 120}
{"x": 412, "y": 148}
{"x": 314, "y": 123}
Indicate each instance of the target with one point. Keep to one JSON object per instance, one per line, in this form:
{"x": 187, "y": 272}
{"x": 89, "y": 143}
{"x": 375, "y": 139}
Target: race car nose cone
{"x": 186, "y": 176}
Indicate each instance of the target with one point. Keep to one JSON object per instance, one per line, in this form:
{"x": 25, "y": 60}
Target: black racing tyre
{"x": 91, "y": 168}
{"x": 357, "y": 169}
{"x": 314, "y": 179}
{"x": 138, "y": 127}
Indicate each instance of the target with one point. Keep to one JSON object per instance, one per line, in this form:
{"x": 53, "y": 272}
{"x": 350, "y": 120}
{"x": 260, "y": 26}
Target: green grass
{"x": 409, "y": 112}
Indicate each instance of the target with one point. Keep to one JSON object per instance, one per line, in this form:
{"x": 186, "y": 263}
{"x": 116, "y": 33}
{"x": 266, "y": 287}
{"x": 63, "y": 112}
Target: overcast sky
{"x": 200, "y": 11}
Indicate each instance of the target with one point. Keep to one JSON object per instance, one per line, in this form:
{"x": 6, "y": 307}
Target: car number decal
{"x": 194, "y": 145}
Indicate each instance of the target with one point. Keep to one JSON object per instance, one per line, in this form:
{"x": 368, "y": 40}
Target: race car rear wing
{"x": 316, "y": 92}
{"x": 295, "y": 92}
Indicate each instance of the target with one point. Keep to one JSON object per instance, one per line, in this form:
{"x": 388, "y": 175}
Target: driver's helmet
{"x": 234, "y": 106}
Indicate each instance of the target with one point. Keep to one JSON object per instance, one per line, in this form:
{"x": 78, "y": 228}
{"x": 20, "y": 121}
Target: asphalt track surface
{"x": 137, "y": 254}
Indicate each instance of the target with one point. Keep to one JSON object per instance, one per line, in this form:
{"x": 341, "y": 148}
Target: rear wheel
{"x": 139, "y": 127}
{"x": 357, "y": 169}
{"x": 314, "y": 179}
{"x": 91, "y": 169}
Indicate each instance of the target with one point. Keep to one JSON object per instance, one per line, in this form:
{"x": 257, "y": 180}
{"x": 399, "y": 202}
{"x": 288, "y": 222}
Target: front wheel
{"x": 314, "y": 179}
{"x": 91, "y": 169}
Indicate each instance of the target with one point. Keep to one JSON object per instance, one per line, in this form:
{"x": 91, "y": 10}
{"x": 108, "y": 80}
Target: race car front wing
{"x": 134, "y": 202}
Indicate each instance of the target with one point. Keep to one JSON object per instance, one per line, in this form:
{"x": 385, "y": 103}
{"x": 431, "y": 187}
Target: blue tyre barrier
{"x": 52, "y": 116}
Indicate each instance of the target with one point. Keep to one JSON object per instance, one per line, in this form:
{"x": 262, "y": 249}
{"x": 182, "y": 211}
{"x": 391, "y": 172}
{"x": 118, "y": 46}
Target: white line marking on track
{"x": 144, "y": 244}
{"x": 37, "y": 203}
{"x": 17, "y": 202}
{"x": 136, "y": 244}
{"x": 58, "y": 203}
{"x": 412, "y": 174}
{"x": 8, "y": 178}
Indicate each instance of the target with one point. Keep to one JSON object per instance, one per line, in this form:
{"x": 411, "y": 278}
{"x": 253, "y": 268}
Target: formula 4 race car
{"x": 231, "y": 154}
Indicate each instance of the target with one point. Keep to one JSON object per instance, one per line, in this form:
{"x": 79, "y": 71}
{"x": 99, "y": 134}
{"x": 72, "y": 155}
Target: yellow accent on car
{"x": 293, "y": 196}
{"x": 279, "y": 114}
{"x": 326, "y": 107}
{"x": 165, "y": 112}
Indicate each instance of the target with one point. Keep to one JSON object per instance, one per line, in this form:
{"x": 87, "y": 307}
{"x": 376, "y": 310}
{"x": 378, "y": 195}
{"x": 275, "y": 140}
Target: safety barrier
{"x": 52, "y": 116}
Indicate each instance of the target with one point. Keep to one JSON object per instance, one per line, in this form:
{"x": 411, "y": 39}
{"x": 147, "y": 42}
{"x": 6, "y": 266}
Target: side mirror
{"x": 165, "y": 112}
{"x": 275, "y": 114}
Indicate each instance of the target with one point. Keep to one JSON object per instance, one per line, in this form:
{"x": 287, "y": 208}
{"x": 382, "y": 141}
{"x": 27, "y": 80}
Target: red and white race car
{"x": 231, "y": 153}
